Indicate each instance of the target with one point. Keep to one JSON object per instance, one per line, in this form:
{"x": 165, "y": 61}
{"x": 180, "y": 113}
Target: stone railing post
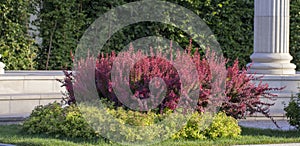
{"x": 2, "y": 65}
{"x": 271, "y": 38}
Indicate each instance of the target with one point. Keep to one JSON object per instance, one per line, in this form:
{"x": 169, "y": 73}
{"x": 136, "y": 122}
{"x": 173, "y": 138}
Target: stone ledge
{"x": 33, "y": 73}
{"x": 22, "y": 91}
{"x": 26, "y": 82}
{"x": 30, "y": 96}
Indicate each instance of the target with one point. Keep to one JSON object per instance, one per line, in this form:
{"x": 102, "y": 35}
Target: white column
{"x": 2, "y": 65}
{"x": 271, "y": 38}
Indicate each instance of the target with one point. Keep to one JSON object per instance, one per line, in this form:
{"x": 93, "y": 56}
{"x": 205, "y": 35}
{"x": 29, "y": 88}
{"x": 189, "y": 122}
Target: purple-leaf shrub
{"x": 144, "y": 69}
{"x": 231, "y": 90}
{"x": 67, "y": 82}
{"x": 243, "y": 97}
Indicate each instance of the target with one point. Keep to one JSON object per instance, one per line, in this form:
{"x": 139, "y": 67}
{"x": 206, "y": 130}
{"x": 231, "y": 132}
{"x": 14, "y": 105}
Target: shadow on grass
{"x": 13, "y": 134}
{"x": 269, "y": 132}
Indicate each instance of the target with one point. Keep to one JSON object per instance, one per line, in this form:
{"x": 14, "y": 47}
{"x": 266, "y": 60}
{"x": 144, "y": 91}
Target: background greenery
{"x": 16, "y": 46}
{"x": 61, "y": 25}
{"x": 293, "y": 111}
{"x": 295, "y": 32}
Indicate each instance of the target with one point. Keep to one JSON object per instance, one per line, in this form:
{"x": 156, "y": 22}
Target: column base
{"x": 272, "y": 63}
{"x": 291, "y": 84}
{"x": 272, "y": 71}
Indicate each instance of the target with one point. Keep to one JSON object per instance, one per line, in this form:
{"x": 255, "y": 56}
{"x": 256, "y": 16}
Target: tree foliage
{"x": 235, "y": 38}
{"x": 295, "y": 32}
{"x": 63, "y": 23}
{"x": 16, "y": 46}
{"x": 59, "y": 24}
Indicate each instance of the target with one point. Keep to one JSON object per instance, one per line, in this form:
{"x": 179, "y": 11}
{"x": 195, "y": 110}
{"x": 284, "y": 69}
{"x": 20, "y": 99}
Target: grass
{"x": 13, "y": 134}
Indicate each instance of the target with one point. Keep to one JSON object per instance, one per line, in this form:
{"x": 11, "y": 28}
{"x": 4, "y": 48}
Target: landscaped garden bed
{"x": 114, "y": 97}
{"x": 66, "y": 123}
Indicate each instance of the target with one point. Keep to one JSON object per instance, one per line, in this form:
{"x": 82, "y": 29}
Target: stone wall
{"x": 21, "y": 91}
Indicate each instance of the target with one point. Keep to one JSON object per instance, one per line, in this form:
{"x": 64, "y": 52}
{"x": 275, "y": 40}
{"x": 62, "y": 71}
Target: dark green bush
{"x": 295, "y": 31}
{"x": 54, "y": 120}
{"x": 60, "y": 26}
{"x": 59, "y": 39}
{"x": 236, "y": 39}
{"x": 293, "y": 111}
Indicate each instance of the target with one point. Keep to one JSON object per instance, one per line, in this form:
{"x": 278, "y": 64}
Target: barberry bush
{"x": 243, "y": 96}
{"x": 231, "y": 90}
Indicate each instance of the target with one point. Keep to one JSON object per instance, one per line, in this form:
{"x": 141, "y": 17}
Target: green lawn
{"x": 12, "y": 134}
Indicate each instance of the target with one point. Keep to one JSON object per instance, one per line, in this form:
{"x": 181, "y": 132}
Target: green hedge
{"x": 230, "y": 20}
{"x": 61, "y": 25}
{"x": 295, "y": 31}
{"x": 16, "y": 46}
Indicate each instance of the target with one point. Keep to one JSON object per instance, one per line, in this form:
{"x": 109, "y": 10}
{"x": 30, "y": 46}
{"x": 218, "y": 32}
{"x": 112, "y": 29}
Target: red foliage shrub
{"x": 141, "y": 73}
{"x": 68, "y": 84}
{"x": 243, "y": 96}
{"x": 232, "y": 90}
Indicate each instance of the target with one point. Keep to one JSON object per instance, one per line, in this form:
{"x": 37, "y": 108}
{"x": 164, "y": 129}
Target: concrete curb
{"x": 2, "y": 144}
{"x": 13, "y": 118}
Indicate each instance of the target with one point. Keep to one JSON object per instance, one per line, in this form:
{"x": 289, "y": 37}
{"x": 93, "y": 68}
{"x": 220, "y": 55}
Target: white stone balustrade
{"x": 2, "y": 65}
